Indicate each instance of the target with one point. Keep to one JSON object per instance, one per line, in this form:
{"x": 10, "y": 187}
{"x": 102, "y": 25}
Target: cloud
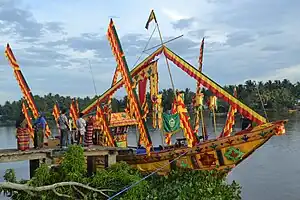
{"x": 239, "y": 38}
{"x": 21, "y": 23}
{"x": 291, "y": 73}
{"x": 54, "y": 45}
{"x": 183, "y": 23}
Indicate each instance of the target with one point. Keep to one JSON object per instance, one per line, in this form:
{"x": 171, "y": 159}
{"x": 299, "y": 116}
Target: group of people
{"x": 79, "y": 132}
{"x": 69, "y": 132}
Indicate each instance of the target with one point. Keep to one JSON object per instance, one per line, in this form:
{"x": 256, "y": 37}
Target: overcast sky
{"x": 54, "y": 40}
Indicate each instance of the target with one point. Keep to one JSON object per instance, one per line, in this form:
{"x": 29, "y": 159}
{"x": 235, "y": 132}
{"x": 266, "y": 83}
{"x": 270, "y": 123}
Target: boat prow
{"x": 221, "y": 154}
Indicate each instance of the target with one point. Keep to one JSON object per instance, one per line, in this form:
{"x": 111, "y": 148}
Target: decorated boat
{"x": 196, "y": 151}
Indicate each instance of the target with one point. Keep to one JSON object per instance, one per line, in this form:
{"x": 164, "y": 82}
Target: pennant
{"x": 151, "y": 17}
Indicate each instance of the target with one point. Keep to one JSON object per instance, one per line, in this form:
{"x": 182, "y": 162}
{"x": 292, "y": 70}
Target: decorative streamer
{"x": 121, "y": 61}
{"x": 24, "y": 86}
{"x": 230, "y": 119}
{"x": 103, "y": 123}
{"x": 28, "y": 119}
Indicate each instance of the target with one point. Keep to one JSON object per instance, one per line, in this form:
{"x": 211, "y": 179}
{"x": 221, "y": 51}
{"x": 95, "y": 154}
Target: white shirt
{"x": 80, "y": 123}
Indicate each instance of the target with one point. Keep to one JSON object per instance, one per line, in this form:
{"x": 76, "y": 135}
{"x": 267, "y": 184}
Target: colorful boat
{"x": 197, "y": 152}
{"x": 223, "y": 153}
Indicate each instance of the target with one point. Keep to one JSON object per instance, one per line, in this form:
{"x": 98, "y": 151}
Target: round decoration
{"x": 233, "y": 154}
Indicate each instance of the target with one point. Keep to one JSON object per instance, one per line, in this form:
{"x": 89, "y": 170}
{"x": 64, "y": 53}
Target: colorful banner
{"x": 74, "y": 111}
{"x": 122, "y": 64}
{"x": 103, "y": 123}
{"x": 142, "y": 97}
{"x": 213, "y": 87}
{"x": 154, "y": 93}
{"x": 56, "y": 112}
{"x": 184, "y": 121}
{"x": 230, "y": 120}
{"x": 23, "y": 85}
{"x": 28, "y": 119}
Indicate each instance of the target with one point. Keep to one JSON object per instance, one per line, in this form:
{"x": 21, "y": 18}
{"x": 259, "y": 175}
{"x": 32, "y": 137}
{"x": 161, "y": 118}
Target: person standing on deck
{"x": 72, "y": 132}
{"x": 64, "y": 128}
{"x": 22, "y": 131}
{"x": 88, "y": 139}
{"x": 81, "y": 124}
{"x": 39, "y": 131}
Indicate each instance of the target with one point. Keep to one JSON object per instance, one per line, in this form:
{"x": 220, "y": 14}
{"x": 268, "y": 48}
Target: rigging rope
{"x": 134, "y": 184}
{"x": 145, "y": 46}
{"x": 262, "y": 103}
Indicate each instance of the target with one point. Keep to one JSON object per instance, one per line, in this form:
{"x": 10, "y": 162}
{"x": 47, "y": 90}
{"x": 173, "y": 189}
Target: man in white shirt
{"x": 81, "y": 124}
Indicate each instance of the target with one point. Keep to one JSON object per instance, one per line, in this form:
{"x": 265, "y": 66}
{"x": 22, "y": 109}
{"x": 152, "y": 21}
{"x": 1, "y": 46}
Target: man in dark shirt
{"x": 64, "y": 128}
{"x": 39, "y": 131}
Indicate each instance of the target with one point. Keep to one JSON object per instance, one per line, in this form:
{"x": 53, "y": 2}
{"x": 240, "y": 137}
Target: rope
{"x": 134, "y": 184}
{"x": 262, "y": 103}
{"x": 145, "y": 47}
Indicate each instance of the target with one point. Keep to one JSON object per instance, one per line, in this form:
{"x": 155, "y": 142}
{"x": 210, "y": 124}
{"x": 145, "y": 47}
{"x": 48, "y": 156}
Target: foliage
{"x": 179, "y": 184}
{"x": 275, "y": 95}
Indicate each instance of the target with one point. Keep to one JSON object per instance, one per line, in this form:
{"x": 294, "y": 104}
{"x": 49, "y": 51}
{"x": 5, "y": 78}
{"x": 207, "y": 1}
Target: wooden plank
{"x": 22, "y": 157}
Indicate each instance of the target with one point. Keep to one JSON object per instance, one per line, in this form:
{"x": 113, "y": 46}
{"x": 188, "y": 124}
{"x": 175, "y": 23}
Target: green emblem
{"x": 233, "y": 154}
{"x": 172, "y": 123}
{"x": 183, "y": 164}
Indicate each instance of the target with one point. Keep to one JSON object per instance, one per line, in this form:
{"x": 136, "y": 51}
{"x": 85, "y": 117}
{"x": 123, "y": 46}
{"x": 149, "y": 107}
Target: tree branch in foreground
{"x": 30, "y": 189}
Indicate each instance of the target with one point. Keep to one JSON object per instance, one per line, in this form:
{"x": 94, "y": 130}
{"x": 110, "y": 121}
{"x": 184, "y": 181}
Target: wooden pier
{"x": 93, "y": 154}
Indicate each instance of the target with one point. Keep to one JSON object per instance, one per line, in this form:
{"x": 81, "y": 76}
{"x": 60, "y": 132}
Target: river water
{"x": 271, "y": 173}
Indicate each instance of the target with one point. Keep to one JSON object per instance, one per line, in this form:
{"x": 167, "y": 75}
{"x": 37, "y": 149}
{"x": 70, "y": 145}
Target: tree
{"x": 70, "y": 181}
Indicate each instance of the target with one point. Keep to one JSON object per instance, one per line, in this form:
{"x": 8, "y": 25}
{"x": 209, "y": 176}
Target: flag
{"x": 73, "y": 111}
{"x": 171, "y": 122}
{"x": 212, "y": 103}
{"x": 168, "y": 138}
{"x": 56, "y": 112}
{"x": 230, "y": 119}
{"x": 151, "y": 17}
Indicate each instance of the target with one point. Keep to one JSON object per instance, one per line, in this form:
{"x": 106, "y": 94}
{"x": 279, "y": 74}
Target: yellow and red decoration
{"x": 213, "y": 87}
{"x": 230, "y": 120}
{"x": 74, "y": 111}
{"x": 184, "y": 121}
{"x": 23, "y": 85}
{"x": 103, "y": 123}
{"x": 141, "y": 69}
{"x": 28, "y": 119}
{"x": 122, "y": 64}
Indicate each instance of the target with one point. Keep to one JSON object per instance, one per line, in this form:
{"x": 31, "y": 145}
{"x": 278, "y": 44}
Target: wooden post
{"x": 33, "y": 165}
{"x": 110, "y": 159}
{"x": 91, "y": 165}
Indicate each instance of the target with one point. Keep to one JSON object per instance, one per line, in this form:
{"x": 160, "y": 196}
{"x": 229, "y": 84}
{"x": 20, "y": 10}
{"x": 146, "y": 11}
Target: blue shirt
{"x": 40, "y": 122}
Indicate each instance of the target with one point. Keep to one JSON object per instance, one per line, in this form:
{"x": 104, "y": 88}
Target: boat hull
{"x": 221, "y": 154}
